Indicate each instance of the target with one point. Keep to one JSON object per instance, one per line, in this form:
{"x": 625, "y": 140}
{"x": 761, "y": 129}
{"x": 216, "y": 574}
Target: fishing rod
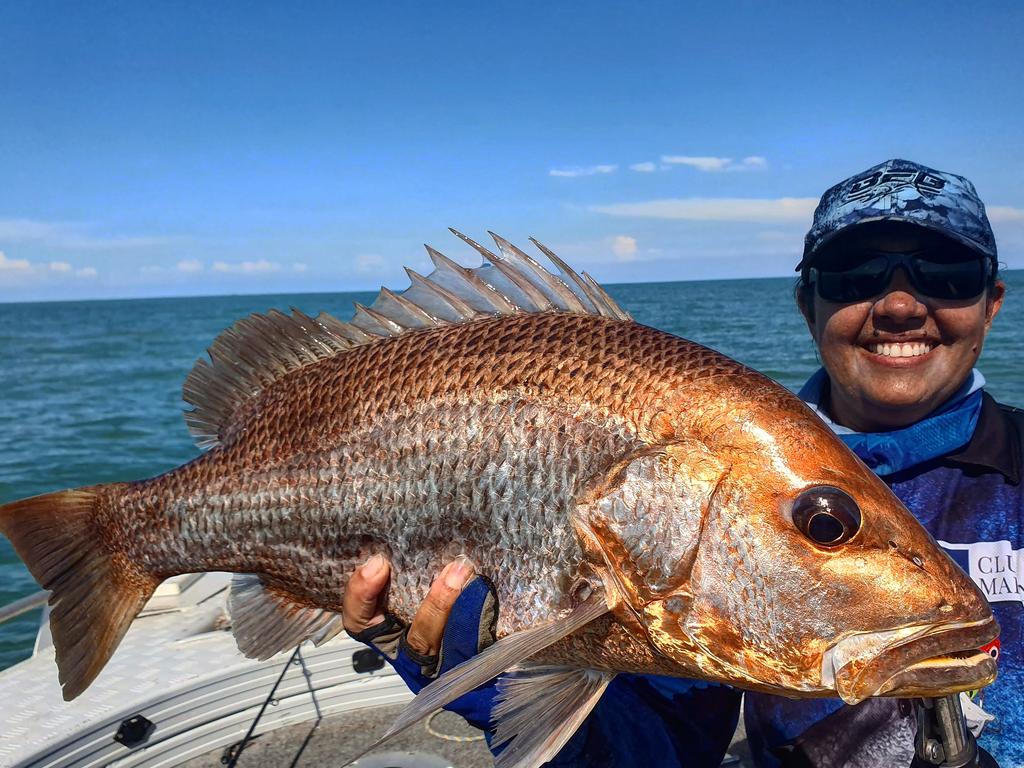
{"x": 943, "y": 739}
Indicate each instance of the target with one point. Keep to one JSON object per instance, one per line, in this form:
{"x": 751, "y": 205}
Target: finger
{"x": 362, "y": 605}
{"x": 427, "y": 626}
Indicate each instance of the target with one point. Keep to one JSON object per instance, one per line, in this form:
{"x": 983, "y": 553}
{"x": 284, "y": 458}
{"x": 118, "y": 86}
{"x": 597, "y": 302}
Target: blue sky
{"x": 201, "y": 148}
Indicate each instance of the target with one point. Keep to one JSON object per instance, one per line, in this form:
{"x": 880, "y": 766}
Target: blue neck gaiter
{"x": 948, "y": 428}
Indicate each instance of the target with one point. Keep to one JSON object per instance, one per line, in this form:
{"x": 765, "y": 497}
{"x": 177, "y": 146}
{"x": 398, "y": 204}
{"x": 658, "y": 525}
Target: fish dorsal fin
{"x": 250, "y": 355}
{"x": 539, "y": 709}
{"x": 259, "y": 349}
{"x": 266, "y": 622}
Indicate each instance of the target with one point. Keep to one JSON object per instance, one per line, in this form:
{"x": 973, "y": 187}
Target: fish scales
{"x": 622, "y": 366}
{"x": 469, "y": 455}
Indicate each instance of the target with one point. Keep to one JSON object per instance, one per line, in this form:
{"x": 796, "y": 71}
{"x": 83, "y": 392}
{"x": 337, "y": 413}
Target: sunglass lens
{"x": 950, "y": 280}
{"x": 845, "y": 282}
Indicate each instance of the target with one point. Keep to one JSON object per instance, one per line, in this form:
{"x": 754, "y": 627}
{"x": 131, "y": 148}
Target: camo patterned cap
{"x": 899, "y": 190}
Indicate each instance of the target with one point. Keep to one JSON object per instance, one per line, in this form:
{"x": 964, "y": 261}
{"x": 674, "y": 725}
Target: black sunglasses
{"x": 857, "y": 275}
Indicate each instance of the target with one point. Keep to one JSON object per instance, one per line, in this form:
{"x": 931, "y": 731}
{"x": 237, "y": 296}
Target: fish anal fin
{"x": 266, "y": 620}
{"x": 261, "y": 349}
{"x": 504, "y": 655}
{"x": 539, "y": 709}
{"x": 95, "y": 593}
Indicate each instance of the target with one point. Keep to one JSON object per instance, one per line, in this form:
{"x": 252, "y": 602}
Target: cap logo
{"x": 881, "y": 183}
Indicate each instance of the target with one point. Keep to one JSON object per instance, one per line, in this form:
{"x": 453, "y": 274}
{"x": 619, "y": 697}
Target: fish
{"x": 640, "y": 502}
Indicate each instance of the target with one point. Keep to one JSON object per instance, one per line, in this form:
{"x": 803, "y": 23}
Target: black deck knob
{"x": 134, "y": 731}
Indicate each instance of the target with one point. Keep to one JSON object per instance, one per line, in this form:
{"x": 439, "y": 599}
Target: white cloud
{"x": 368, "y": 263}
{"x": 589, "y": 170}
{"x": 299, "y": 267}
{"x": 700, "y": 163}
{"x": 624, "y": 247}
{"x": 717, "y": 164}
{"x": 797, "y": 209}
{"x": 189, "y": 265}
{"x": 1001, "y": 214}
{"x": 13, "y": 265}
{"x": 38, "y": 271}
{"x": 754, "y": 162}
{"x": 247, "y": 267}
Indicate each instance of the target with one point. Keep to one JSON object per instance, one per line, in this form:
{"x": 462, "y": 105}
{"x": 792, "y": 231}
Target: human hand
{"x": 455, "y": 621}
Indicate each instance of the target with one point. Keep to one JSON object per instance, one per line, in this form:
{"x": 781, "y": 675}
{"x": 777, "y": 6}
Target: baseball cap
{"x": 902, "y": 191}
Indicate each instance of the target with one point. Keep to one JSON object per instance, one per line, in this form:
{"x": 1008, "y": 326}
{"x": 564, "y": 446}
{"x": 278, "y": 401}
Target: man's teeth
{"x": 912, "y": 349}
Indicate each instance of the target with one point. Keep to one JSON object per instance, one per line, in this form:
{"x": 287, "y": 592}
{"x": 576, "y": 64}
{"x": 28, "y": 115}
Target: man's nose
{"x": 900, "y": 301}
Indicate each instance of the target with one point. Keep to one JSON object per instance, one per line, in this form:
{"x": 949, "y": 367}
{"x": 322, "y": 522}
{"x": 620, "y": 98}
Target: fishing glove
{"x": 470, "y": 629}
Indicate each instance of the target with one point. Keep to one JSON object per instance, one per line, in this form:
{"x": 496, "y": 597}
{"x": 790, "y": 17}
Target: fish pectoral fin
{"x": 266, "y": 621}
{"x": 540, "y": 708}
{"x": 504, "y": 655}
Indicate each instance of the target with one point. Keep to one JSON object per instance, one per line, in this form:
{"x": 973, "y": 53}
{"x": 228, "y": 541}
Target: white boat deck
{"x": 179, "y": 668}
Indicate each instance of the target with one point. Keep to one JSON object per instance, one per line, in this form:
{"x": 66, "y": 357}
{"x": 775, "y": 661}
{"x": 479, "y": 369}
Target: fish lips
{"x": 924, "y": 660}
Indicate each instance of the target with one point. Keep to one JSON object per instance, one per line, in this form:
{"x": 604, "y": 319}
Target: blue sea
{"x": 92, "y": 390}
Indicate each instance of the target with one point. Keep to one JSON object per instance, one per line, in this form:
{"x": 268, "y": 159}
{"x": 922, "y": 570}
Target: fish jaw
{"x": 920, "y": 660}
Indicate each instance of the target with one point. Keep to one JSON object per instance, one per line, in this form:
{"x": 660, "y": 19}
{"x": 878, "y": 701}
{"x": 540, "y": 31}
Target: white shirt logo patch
{"x": 995, "y": 566}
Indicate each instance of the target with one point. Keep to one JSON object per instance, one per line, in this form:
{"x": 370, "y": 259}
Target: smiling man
{"x": 899, "y": 286}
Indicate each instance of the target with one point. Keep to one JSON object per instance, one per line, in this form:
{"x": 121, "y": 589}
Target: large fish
{"x": 642, "y": 504}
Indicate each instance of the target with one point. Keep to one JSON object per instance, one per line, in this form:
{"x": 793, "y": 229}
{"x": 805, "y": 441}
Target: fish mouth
{"x": 922, "y": 660}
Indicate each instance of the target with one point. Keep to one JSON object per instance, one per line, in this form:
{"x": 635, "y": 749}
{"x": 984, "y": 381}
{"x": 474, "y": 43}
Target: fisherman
{"x": 899, "y": 286}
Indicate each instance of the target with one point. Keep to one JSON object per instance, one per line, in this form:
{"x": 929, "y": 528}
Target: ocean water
{"x": 91, "y": 391}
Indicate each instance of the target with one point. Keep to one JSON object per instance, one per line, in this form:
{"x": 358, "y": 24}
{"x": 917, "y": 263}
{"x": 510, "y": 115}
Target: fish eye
{"x": 826, "y": 515}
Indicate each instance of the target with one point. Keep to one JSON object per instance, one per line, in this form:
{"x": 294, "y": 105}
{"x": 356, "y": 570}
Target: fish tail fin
{"x": 95, "y": 593}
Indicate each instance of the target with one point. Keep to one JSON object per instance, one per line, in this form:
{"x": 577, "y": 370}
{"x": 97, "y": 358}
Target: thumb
{"x": 363, "y": 604}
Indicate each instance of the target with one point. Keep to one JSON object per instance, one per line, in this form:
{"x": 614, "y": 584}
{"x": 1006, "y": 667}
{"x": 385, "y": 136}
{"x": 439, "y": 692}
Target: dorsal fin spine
{"x": 610, "y": 307}
{"x": 460, "y": 306}
{"x": 539, "y": 300}
{"x": 415, "y": 311}
{"x": 384, "y": 322}
{"x": 474, "y": 244}
{"x": 543, "y": 279}
{"x": 567, "y": 271}
{"x": 346, "y": 331}
{"x": 484, "y": 290}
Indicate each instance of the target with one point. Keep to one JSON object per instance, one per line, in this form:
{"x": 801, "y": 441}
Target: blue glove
{"x": 469, "y": 630}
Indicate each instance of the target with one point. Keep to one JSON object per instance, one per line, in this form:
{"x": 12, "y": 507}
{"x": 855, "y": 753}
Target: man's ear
{"x": 994, "y": 302}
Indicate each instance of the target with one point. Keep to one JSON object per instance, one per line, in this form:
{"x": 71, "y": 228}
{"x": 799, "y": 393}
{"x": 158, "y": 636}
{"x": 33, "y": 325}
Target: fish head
{"x": 771, "y": 558}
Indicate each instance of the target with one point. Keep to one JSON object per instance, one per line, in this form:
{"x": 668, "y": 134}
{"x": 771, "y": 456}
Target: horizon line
{"x": 5, "y": 302}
